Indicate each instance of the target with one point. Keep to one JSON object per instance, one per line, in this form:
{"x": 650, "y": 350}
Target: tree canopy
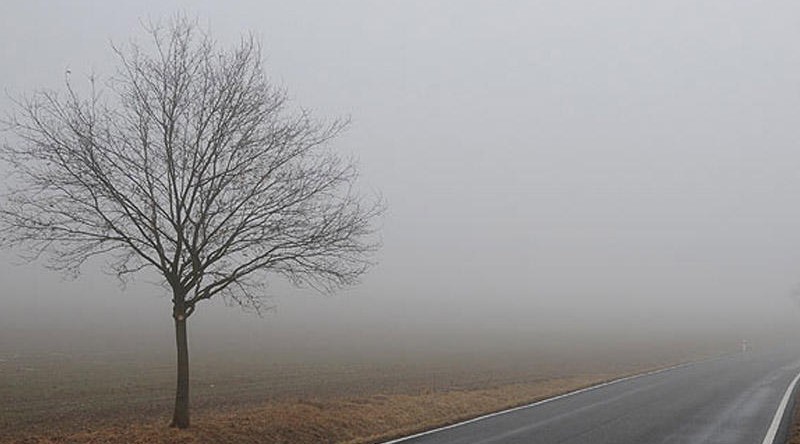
{"x": 190, "y": 162}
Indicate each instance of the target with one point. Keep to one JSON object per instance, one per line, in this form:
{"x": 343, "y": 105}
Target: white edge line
{"x": 545, "y": 401}
{"x": 772, "y": 432}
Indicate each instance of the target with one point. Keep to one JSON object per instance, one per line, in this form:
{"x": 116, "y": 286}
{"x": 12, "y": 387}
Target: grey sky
{"x": 574, "y": 165}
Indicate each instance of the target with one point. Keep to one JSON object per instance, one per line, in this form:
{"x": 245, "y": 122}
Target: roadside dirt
{"x": 794, "y": 431}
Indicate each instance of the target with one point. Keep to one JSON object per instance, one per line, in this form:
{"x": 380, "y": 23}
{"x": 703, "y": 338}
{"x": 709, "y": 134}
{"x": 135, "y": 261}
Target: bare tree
{"x": 188, "y": 162}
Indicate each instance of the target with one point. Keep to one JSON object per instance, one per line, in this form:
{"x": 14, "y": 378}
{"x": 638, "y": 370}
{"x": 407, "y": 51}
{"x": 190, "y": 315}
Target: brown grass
{"x": 345, "y": 420}
{"x": 794, "y": 430}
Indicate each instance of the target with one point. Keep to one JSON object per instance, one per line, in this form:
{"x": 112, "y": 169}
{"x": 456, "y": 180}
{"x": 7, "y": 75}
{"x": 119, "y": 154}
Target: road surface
{"x": 731, "y": 399}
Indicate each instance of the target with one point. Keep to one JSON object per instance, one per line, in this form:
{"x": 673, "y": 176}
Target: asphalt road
{"x": 730, "y": 400}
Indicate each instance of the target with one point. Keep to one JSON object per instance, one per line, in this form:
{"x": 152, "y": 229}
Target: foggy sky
{"x": 551, "y": 167}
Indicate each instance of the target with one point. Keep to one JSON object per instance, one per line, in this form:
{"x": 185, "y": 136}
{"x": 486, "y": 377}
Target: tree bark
{"x": 180, "y": 417}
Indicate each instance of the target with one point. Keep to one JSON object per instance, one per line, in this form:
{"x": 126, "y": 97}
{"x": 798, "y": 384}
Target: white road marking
{"x": 772, "y": 432}
{"x": 545, "y": 401}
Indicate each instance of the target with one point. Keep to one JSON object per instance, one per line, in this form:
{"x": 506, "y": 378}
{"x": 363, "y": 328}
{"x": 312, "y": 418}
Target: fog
{"x": 555, "y": 172}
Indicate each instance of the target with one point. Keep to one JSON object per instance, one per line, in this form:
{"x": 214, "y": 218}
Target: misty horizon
{"x": 552, "y": 171}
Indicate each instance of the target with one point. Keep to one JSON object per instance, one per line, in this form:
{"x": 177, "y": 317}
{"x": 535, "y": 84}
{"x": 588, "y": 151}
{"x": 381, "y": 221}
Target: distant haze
{"x": 554, "y": 171}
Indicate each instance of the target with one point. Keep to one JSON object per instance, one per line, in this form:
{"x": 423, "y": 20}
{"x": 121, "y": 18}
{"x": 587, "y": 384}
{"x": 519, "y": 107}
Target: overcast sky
{"x": 554, "y": 165}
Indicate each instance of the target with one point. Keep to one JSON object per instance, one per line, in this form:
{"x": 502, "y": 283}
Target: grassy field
{"x": 340, "y": 420}
{"x": 240, "y": 397}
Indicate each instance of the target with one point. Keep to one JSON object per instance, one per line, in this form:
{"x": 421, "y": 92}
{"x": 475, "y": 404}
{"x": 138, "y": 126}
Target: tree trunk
{"x": 180, "y": 417}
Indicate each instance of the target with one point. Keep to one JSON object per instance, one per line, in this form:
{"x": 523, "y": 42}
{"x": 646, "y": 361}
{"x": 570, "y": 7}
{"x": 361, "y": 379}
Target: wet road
{"x": 731, "y": 400}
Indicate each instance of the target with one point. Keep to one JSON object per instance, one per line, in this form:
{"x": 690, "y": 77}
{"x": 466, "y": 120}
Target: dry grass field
{"x": 335, "y": 420}
{"x": 110, "y": 398}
